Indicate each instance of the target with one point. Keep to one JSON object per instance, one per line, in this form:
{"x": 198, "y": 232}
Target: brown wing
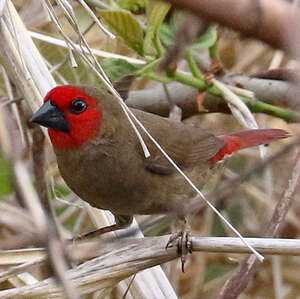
{"x": 186, "y": 145}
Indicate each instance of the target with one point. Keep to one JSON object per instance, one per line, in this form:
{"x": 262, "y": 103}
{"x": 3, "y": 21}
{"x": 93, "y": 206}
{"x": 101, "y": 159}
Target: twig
{"x": 6, "y": 101}
{"x": 12, "y": 271}
{"x": 155, "y": 101}
{"x": 154, "y": 248}
{"x": 39, "y": 166}
{"x": 123, "y": 259}
{"x": 238, "y": 108}
{"x": 272, "y": 91}
{"x": 277, "y": 277}
{"x": 96, "y": 20}
{"x": 100, "y": 53}
{"x": 15, "y": 110}
{"x": 30, "y": 197}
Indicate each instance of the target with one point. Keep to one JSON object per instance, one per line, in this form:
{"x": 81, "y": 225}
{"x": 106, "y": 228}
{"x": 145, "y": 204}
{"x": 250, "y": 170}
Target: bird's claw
{"x": 184, "y": 245}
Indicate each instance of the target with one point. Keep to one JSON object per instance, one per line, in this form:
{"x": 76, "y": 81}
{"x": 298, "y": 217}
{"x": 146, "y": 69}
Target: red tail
{"x": 244, "y": 139}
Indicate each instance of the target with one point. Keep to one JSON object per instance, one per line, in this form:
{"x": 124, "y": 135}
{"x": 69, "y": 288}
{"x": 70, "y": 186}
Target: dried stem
{"x": 273, "y": 92}
{"x": 118, "y": 260}
{"x": 38, "y": 158}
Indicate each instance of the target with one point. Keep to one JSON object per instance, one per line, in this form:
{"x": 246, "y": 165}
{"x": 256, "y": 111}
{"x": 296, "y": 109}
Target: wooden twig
{"x": 272, "y": 92}
{"x": 118, "y": 260}
{"x": 38, "y": 158}
{"x": 12, "y": 271}
{"x": 154, "y": 248}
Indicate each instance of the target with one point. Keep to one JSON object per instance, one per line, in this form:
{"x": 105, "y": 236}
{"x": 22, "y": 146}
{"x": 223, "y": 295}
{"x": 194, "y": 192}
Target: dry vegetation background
{"x": 211, "y": 71}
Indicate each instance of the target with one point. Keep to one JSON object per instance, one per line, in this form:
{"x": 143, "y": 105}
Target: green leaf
{"x": 61, "y": 190}
{"x": 156, "y": 13}
{"x": 149, "y": 67}
{"x": 116, "y": 69}
{"x": 132, "y": 5}
{"x": 208, "y": 39}
{"x": 167, "y": 34}
{"x": 124, "y": 25}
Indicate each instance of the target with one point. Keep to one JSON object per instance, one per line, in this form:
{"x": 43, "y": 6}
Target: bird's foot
{"x": 122, "y": 221}
{"x": 184, "y": 244}
{"x": 96, "y": 233}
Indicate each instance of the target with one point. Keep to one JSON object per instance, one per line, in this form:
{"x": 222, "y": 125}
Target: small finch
{"x": 101, "y": 160}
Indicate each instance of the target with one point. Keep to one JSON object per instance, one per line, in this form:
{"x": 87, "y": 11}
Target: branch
{"x": 274, "y": 22}
{"x": 275, "y": 92}
{"x": 126, "y": 257}
{"x": 154, "y": 100}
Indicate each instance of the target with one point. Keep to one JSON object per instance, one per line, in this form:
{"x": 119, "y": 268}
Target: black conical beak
{"x": 52, "y": 117}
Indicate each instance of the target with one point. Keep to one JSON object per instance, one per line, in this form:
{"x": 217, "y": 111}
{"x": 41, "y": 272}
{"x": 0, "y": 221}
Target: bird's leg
{"x": 183, "y": 240}
{"x": 175, "y": 111}
{"x": 122, "y": 221}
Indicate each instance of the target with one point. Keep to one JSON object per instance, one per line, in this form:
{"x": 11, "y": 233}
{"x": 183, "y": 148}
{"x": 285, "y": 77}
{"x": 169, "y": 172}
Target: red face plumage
{"x": 83, "y": 125}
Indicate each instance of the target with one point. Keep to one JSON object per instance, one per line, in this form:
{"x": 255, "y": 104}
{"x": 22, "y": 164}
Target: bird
{"x": 101, "y": 159}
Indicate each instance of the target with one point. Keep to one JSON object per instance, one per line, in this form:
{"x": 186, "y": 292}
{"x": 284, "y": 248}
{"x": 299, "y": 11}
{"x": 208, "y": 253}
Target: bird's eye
{"x": 78, "y": 106}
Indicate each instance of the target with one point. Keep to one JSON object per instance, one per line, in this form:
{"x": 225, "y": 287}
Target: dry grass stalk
{"x": 118, "y": 260}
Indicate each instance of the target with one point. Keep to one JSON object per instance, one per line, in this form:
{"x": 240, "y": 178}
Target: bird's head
{"x": 71, "y": 115}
